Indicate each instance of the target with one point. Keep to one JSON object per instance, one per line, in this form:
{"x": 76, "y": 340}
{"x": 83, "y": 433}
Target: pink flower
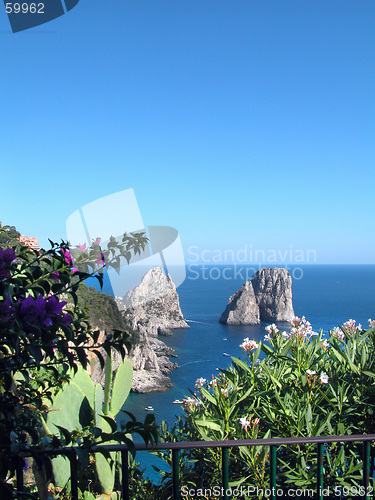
{"x": 325, "y": 344}
{"x": 301, "y": 328}
{"x": 249, "y": 345}
{"x": 82, "y": 247}
{"x": 337, "y": 332}
{"x": 67, "y": 256}
{"x": 350, "y": 327}
{"x": 97, "y": 241}
{"x": 200, "y": 382}
{"x": 245, "y": 423}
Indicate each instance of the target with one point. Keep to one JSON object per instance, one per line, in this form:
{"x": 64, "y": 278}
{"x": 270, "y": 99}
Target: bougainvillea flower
{"x": 54, "y": 306}
{"x": 32, "y": 309}
{"x": 81, "y": 247}
{"x": 96, "y": 241}
{"x": 67, "y": 256}
{"x": 6, "y": 258}
{"x": 55, "y": 276}
{"x": 65, "y": 319}
{"x": 6, "y": 311}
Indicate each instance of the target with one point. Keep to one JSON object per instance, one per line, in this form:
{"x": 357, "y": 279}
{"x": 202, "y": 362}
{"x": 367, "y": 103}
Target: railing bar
{"x": 19, "y": 471}
{"x": 125, "y": 474}
{"x": 273, "y": 472}
{"x": 366, "y": 468}
{"x": 73, "y": 475}
{"x": 176, "y": 474}
{"x": 225, "y": 471}
{"x": 319, "y": 482}
{"x": 214, "y": 444}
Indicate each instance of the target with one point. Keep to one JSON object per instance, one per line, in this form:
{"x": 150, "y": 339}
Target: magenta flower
{"x": 67, "y": 256}
{"x": 82, "y": 247}
{"x": 97, "y": 241}
{"x": 54, "y": 276}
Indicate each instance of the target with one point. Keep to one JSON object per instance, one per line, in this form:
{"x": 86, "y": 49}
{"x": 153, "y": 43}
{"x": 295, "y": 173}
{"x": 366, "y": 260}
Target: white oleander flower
{"x": 200, "y": 382}
{"x": 324, "y": 378}
{"x": 302, "y": 328}
{"x": 249, "y": 345}
{"x": 245, "y": 423}
{"x": 325, "y": 344}
{"x": 337, "y": 332}
{"x": 272, "y": 329}
{"x": 310, "y": 373}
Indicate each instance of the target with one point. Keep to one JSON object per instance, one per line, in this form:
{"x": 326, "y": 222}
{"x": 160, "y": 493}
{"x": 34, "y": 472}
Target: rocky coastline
{"x": 152, "y": 309}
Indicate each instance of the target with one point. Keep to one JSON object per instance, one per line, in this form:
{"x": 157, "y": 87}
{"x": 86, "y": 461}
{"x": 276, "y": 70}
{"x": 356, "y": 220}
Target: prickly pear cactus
{"x": 81, "y": 402}
{"x": 121, "y": 386}
{"x": 113, "y": 402}
{"x": 64, "y": 412}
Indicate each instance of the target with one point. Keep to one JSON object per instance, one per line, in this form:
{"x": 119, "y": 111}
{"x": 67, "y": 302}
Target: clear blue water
{"x": 327, "y": 295}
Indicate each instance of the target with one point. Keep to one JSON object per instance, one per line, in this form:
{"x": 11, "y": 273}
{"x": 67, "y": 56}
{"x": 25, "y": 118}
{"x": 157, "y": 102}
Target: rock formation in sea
{"x": 152, "y": 309}
{"x": 267, "y": 297}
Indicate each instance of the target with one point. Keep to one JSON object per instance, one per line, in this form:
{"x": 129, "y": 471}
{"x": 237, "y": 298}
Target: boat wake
{"x": 193, "y": 362}
{"x": 193, "y": 321}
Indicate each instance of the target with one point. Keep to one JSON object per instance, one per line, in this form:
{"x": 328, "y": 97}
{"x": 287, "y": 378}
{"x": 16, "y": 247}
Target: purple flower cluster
{"x": 45, "y": 311}
{"x": 6, "y": 312}
{"x": 6, "y": 258}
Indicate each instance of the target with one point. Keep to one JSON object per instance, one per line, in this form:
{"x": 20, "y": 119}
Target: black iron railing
{"x": 175, "y": 448}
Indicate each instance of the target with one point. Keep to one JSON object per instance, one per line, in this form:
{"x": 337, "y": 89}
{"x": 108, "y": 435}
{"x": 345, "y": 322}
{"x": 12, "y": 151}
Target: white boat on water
{"x": 178, "y": 402}
{"x": 226, "y": 354}
{"x": 149, "y": 408}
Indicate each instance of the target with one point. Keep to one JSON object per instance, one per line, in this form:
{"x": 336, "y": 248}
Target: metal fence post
{"x": 319, "y": 482}
{"x": 273, "y": 472}
{"x": 125, "y": 474}
{"x": 20, "y": 463}
{"x": 176, "y": 474}
{"x": 225, "y": 471}
{"x": 366, "y": 468}
{"x": 73, "y": 474}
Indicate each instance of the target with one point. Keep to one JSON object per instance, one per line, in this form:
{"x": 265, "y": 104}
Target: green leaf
{"x": 207, "y": 423}
{"x": 110, "y": 421}
{"x": 64, "y": 432}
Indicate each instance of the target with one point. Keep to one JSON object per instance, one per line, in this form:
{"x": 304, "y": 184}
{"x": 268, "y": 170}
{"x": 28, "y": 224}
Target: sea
{"x": 327, "y": 295}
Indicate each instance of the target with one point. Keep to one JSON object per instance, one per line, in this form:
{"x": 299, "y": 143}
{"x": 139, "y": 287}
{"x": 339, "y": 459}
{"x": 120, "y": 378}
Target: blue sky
{"x": 238, "y": 122}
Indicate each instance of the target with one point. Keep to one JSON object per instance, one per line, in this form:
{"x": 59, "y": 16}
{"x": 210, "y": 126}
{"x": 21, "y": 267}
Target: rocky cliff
{"x": 267, "y": 297}
{"x": 152, "y": 308}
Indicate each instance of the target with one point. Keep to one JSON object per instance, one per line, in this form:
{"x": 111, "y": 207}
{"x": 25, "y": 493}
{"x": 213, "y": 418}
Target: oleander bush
{"x": 294, "y": 384}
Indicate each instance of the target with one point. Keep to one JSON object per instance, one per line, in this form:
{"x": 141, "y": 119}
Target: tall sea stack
{"x": 267, "y": 297}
